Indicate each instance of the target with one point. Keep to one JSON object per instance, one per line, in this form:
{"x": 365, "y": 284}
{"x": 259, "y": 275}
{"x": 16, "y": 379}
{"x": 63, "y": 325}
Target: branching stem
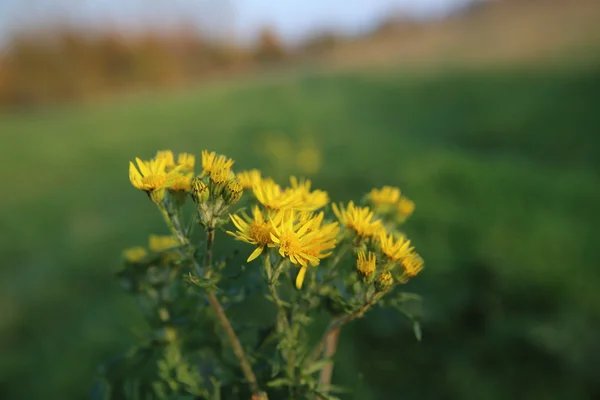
{"x": 173, "y": 223}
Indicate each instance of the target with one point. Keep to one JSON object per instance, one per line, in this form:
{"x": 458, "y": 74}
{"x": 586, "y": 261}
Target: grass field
{"x": 504, "y": 167}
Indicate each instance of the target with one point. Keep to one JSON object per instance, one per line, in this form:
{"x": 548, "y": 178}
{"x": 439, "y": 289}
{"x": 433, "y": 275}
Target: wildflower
{"x": 217, "y": 167}
{"x": 384, "y": 281}
{"x": 365, "y": 264}
{"x": 395, "y": 249}
{"x": 387, "y": 195}
{"x": 232, "y": 192}
{"x": 310, "y": 200}
{"x": 158, "y": 244}
{"x": 248, "y": 178}
{"x": 405, "y": 207}
{"x": 200, "y": 192}
{"x": 270, "y": 195}
{"x": 186, "y": 161}
{"x": 255, "y": 230}
{"x": 168, "y": 156}
{"x": 182, "y": 183}
{"x": 302, "y": 244}
{"x": 152, "y": 177}
{"x": 135, "y": 254}
{"x": 358, "y": 219}
{"x": 412, "y": 264}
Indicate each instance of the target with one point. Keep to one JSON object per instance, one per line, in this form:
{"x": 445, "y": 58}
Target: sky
{"x": 292, "y": 19}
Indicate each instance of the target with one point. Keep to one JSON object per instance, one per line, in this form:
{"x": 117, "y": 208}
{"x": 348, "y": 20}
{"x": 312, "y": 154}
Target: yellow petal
{"x": 143, "y": 167}
{"x": 134, "y": 176}
{"x": 255, "y": 254}
{"x": 300, "y": 278}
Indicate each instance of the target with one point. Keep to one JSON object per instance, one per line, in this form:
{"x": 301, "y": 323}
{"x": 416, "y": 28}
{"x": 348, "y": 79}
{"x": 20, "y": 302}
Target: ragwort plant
{"x": 308, "y": 263}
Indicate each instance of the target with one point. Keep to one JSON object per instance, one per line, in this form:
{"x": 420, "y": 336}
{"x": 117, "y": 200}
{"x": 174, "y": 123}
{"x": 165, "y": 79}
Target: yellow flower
{"x": 365, "y": 264}
{"x": 151, "y": 175}
{"x": 182, "y": 182}
{"x": 302, "y": 244}
{"x": 217, "y": 167}
{"x": 270, "y": 195}
{"x": 387, "y": 195}
{"x": 384, "y": 281}
{"x": 186, "y": 161}
{"x": 309, "y": 159}
{"x": 135, "y": 254}
{"x": 158, "y": 243}
{"x": 405, "y": 207}
{"x": 168, "y": 156}
{"x": 255, "y": 230}
{"x": 310, "y": 200}
{"x": 358, "y": 219}
{"x": 395, "y": 249}
{"x": 412, "y": 264}
{"x": 248, "y": 178}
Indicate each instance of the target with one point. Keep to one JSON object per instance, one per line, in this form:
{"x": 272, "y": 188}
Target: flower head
{"x": 135, "y": 254}
{"x": 182, "y": 182}
{"x": 384, "y": 281}
{"x": 255, "y": 230}
{"x": 412, "y": 264}
{"x": 217, "y": 167}
{"x": 248, "y": 178}
{"x": 168, "y": 156}
{"x": 358, "y": 219}
{"x": 405, "y": 207}
{"x": 270, "y": 195}
{"x": 310, "y": 200}
{"x": 395, "y": 249}
{"x": 303, "y": 244}
{"x": 158, "y": 243}
{"x": 151, "y": 175}
{"x": 365, "y": 264}
{"x": 387, "y": 195}
{"x": 186, "y": 161}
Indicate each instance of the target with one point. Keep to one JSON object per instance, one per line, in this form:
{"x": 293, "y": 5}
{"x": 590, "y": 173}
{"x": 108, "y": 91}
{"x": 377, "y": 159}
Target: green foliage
{"x": 503, "y": 167}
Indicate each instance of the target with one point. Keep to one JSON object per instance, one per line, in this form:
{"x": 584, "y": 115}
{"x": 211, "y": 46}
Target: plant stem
{"x": 338, "y": 323}
{"x": 238, "y": 350}
{"x": 331, "y": 342}
{"x": 272, "y": 277}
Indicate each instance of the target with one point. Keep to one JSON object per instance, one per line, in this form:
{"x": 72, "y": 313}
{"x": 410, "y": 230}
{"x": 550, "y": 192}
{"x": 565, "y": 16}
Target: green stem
{"x": 338, "y": 323}
{"x": 238, "y": 350}
{"x": 272, "y": 278}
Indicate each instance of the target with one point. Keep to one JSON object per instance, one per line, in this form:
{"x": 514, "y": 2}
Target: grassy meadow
{"x": 504, "y": 167}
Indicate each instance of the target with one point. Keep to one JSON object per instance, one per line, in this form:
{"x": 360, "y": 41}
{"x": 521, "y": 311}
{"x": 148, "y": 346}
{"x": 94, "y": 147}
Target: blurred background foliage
{"x": 488, "y": 119}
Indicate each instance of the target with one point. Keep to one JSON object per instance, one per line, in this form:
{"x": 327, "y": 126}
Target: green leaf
{"x": 317, "y": 366}
{"x": 279, "y": 382}
{"x": 417, "y": 330}
{"x": 325, "y": 396}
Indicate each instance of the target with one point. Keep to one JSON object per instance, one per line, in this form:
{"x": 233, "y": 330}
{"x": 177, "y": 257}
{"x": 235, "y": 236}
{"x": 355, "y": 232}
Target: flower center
{"x": 290, "y": 244}
{"x": 260, "y": 232}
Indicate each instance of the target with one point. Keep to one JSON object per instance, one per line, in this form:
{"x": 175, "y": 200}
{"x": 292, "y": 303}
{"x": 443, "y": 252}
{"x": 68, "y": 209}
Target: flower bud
{"x": 384, "y": 281}
{"x": 366, "y": 265}
{"x": 157, "y": 195}
{"x": 233, "y": 192}
{"x": 199, "y": 190}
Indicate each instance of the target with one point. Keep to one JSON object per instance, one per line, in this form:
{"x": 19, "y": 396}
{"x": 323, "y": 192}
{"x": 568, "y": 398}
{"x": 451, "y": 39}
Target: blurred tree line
{"x": 68, "y": 64}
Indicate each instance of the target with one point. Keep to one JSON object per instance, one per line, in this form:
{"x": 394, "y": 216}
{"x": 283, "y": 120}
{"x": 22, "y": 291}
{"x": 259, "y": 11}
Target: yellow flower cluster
{"x": 285, "y": 219}
{"x": 162, "y": 173}
{"x": 390, "y": 198}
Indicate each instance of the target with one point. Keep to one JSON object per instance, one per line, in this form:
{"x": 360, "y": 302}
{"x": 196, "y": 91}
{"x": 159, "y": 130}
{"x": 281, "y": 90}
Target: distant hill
{"x": 509, "y": 31}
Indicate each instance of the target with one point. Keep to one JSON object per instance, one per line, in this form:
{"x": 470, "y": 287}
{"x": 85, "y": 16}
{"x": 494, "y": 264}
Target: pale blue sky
{"x": 292, "y": 18}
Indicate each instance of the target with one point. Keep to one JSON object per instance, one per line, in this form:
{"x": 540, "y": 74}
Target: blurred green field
{"x": 503, "y": 166}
